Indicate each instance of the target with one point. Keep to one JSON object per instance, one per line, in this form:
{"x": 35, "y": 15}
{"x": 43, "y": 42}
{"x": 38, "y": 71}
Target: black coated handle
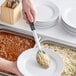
{"x": 17, "y": 1}
{"x": 32, "y": 26}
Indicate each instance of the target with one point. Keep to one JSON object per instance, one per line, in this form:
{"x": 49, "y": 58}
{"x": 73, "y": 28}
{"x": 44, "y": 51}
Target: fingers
{"x": 33, "y": 14}
{"x": 28, "y": 11}
{"x": 25, "y": 17}
{"x": 29, "y": 15}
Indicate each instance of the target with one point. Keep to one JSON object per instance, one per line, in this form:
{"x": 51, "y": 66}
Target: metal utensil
{"x": 35, "y": 35}
{"x": 12, "y": 3}
{"x": 9, "y": 3}
{"x": 17, "y": 1}
{"x": 42, "y": 58}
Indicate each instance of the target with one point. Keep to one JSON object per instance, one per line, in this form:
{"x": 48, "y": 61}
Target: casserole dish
{"x": 13, "y": 41}
{"x": 67, "y": 53}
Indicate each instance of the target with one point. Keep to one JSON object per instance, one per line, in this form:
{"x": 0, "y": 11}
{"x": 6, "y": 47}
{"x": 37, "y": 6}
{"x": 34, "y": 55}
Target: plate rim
{"x": 64, "y": 18}
{"x": 53, "y": 7}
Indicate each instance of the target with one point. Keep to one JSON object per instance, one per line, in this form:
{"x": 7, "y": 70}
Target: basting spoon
{"x": 42, "y": 58}
{"x": 35, "y": 35}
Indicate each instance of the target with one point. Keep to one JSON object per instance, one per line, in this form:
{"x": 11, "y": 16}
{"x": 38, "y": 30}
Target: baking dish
{"x": 6, "y": 74}
{"x": 67, "y": 53}
{"x": 16, "y": 33}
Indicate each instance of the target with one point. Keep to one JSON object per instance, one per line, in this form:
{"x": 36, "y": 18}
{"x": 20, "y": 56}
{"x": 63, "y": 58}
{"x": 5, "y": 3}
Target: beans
{"x": 11, "y": 46}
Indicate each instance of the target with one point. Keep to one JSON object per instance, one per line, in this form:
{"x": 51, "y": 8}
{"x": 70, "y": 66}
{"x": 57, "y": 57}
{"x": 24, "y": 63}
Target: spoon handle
{"x": 35, "y": 35}
{"x": 9, "y": 3}
{"x": 32, "y": 26}
{"x": 17, "y": 1}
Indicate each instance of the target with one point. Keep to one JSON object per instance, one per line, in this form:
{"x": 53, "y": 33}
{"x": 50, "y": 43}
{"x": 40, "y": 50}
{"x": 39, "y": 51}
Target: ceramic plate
{"x": 29, "y": 67}
{"x": 69, "y": 17}
{"x": 47, "y": 14}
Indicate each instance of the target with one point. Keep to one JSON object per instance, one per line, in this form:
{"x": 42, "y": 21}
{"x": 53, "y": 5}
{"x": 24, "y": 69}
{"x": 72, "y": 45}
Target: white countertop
{"x": 57, "y": 32}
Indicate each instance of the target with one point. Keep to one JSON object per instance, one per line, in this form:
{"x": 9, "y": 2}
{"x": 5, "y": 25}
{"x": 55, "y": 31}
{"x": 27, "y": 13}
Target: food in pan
{"x": 43, "y": 59}
{"x": 11, "y": 46}
{"x": 67, "y": 53}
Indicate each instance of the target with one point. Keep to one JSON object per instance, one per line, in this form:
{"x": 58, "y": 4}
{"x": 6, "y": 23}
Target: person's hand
{"x": 9, "y": 66}
{"x": 15, "y": 69}
{"x": 28, "y": 11}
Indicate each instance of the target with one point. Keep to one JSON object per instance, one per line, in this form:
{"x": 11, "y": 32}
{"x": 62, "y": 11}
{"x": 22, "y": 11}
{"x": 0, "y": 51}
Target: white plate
{"x": 69, "y": 17}
{"x": 29, "y": 67}
{"x": 68, "y": 29}
{"x": 47, "y": 14}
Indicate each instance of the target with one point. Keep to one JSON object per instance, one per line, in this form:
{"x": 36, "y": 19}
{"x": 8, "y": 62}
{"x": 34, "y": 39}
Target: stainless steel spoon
{"x": 35, "y": 35}
{"x": 42, "y": 58}
{"x": 12, "y": 3}
{"x": 17, "y": 1}
{"x": 9, "y": 2}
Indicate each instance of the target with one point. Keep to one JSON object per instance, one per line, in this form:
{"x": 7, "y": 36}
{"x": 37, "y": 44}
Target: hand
{"x": 10, "y": 67}
{"x": 28, "y": 11}
{"x": 15, "y": 69}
